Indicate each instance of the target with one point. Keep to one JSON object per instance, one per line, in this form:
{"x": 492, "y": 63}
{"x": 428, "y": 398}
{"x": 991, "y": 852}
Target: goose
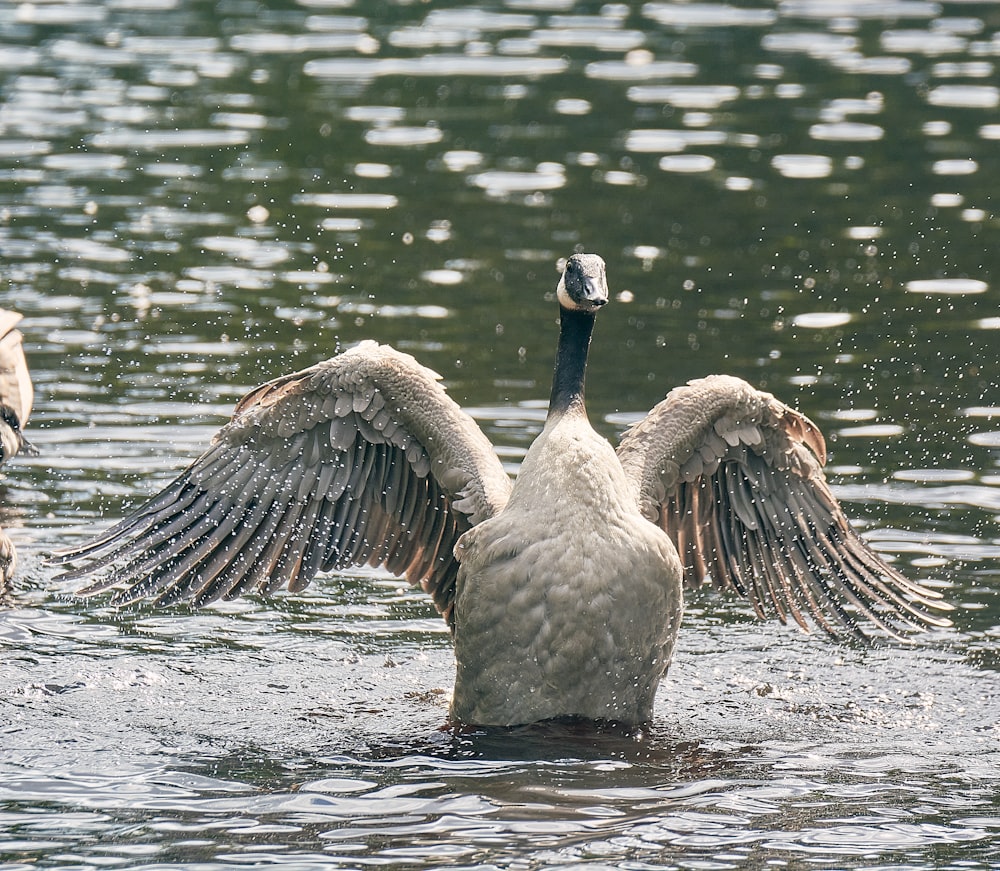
{"x": 563, "y": 589}
{"x": 16, "y": 397}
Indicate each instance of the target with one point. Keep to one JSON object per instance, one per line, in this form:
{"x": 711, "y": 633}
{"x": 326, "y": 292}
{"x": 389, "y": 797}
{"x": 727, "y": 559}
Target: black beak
{"x": 594, "y": 292}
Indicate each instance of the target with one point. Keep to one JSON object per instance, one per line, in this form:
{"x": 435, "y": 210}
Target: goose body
{"x": 568, "y": 600}
{"x": 563, "y": 590}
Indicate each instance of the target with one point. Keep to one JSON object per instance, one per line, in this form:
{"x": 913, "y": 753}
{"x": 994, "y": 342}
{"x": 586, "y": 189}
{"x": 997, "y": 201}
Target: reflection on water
{"x": 194, "y": 199}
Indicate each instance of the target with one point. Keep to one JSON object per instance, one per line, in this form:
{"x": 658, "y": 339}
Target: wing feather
{"x": 735, "y": 478}
{"x": 362, "y": 459}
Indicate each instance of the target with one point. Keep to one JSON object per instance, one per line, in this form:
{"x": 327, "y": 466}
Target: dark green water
{"x": 196, "y": 197}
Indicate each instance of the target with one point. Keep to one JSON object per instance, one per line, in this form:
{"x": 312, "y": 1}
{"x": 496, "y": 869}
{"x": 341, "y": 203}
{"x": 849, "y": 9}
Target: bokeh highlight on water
{"x": 197, "y": 197}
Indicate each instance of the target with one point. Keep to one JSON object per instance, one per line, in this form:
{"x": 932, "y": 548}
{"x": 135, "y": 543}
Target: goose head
{"x": 584, "y": 284}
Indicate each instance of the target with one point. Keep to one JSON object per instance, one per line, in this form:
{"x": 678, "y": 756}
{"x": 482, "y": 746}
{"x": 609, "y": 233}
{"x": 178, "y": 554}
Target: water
{"x": 197, "y": 197}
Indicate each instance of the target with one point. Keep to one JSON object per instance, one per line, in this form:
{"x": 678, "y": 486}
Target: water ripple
{"x": 687, "y": 163}
{"x": 947, "y": 286}
{"x": 403, "y": 136}
{"x": 925, "y": 42}
{"x": 278, "y": 43}
{"x": 499, "y": 183}
{"x": 846, "y": 131}
{"x": 684, "y": 96}
{"x": 434, "y": 65}
{"x": 965, "y": 96}
{"x": 707, "y": 15}
{"x": 163, "y": 140}
{"x": 803, "y": 165}
{"x": 891, "y": 10}
{"x": 636, "y": 70}
{"x": 348, "y": 201}
{"x": 197, "y": 198}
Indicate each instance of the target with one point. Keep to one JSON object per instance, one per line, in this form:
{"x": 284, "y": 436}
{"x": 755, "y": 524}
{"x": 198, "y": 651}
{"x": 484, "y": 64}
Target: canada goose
{"x": 16, "y": 395}
{"x": 564, "y": 590}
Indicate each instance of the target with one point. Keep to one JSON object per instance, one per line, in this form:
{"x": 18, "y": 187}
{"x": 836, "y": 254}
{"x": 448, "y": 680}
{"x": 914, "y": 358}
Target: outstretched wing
{"x": 362, "y": 459}
{"x": 735, "y": 478}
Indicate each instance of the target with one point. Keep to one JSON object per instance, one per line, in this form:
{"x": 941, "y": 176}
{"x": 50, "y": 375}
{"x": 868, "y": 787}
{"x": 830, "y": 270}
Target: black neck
{"x": 575, "y": 330}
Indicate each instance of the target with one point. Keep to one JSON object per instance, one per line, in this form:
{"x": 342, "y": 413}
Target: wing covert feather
{"x": 735, "y": 478}
{"x": 362, "y": 459}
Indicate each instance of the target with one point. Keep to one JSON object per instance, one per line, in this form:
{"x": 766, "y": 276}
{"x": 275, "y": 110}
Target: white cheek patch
{"x": 565, "y": 300}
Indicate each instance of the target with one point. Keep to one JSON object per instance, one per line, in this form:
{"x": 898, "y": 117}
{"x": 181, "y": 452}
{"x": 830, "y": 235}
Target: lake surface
{"x": 196, "y": 197}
